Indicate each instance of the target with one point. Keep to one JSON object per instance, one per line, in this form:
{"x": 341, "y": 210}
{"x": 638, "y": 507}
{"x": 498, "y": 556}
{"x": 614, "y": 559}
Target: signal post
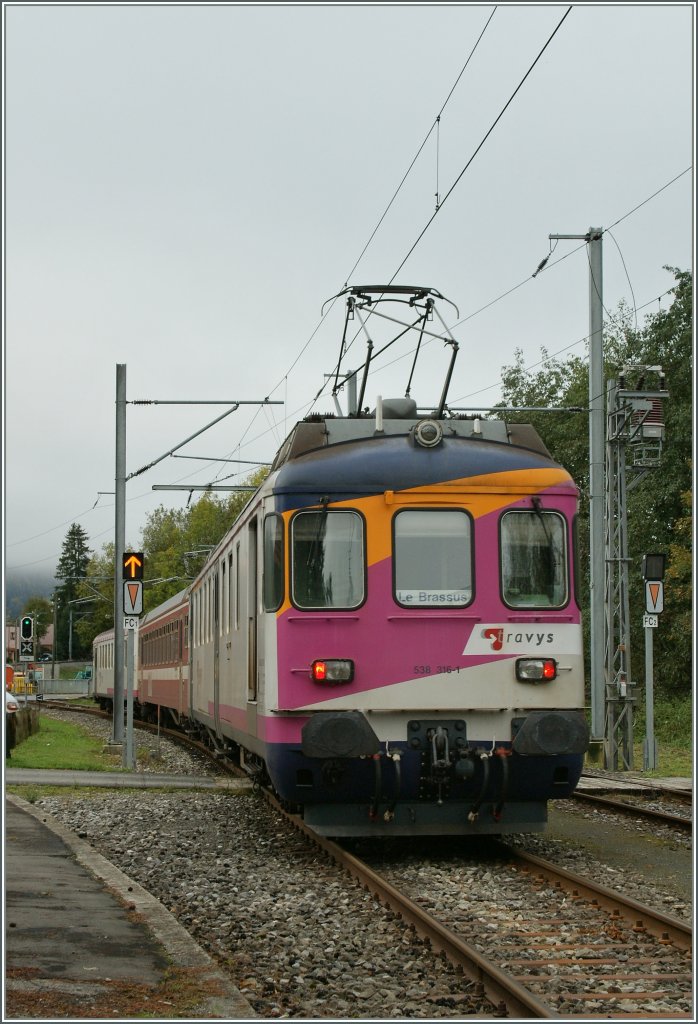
{"x": 132, "y": 572}
{"x": 26, "y": 639}
{"x": 653, "y": 574}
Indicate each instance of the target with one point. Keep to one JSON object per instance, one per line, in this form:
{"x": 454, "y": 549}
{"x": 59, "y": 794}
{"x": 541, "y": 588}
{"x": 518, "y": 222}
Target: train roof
{"x": 401, "y": 417}
{"x": 350, "y": 457}
{"x": 167, "y": 606}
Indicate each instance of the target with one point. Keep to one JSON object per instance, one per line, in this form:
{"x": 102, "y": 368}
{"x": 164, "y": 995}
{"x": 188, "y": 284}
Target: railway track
{"x": 540, "y": 941}
{"x": 637, "y": 810}
{"x": 571, "y": 947}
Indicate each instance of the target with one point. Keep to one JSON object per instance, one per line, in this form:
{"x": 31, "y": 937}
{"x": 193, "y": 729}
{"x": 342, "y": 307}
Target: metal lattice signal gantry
{"x": 634, "y": 438}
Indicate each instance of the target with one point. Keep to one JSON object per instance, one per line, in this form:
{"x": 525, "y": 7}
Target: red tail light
{"x": 332, "y": 670}
{"x": 536, "y": 670}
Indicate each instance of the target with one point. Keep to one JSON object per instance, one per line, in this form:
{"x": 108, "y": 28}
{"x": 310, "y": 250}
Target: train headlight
{"x": 332, "y": 670}
{"x": 536, "y": 670}
{"x": 428, "y": 433}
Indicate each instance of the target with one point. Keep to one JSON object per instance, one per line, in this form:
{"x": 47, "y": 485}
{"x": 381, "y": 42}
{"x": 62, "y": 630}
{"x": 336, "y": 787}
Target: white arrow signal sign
{"x": 133, "y": 597}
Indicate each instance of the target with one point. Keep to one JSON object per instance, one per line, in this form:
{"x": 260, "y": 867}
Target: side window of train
{"x": 230, "y": 591}
{"x": 575, "y": 560}
{"x": 533, "y": 559}
{"x": 225, "y": 590}
{"x": 273, "y": 562}
{"x": 237, "y": 586}
{"x": 328, "y": 564}
{"x": 433, "y": 558}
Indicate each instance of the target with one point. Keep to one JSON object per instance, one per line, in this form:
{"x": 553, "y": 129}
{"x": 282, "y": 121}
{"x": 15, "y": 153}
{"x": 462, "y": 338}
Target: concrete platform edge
{"x": 181, "y": 949}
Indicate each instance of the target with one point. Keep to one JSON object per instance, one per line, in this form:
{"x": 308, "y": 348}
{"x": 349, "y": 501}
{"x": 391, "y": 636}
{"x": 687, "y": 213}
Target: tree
{"x": 659, "y": 510}
{"x": 71, "y": 569}
{"x": 98, "y": 585}
{"x": 177, "y": 542}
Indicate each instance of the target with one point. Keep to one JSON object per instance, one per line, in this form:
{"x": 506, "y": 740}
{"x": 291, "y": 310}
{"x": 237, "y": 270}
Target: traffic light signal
{"x": 27, "y": 628}
{"x": 132, "y": 565}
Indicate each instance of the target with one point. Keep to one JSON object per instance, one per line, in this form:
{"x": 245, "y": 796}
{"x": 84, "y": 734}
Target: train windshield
{"x": 328, "y": 560}
{"x": 433, "y": 558}
{"x": 533, "y": 560}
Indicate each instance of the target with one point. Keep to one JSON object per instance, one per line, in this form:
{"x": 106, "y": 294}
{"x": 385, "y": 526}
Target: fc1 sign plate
{"x": 130, "y": 622}
{"x": 650, "y": 621}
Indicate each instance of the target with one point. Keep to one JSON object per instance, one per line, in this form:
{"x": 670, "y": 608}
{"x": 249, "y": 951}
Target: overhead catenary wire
{"x": 480, "y": 145}
{"x": 387, "y": 209}
{"x": 549, "y": 266}
{"x": 470, "y": 316}
{"x": 630, "y": 284}
{"x": 435, "y": 125}
{"x": 299, "y": 410}
{"x": 440, "y": 202}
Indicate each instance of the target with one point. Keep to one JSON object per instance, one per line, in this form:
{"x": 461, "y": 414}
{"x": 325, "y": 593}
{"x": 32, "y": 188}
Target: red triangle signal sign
{"x": 654, "y": 596}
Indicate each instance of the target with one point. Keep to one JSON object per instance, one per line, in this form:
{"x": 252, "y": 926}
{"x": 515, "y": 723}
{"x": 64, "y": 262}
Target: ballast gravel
{"x": 298, "y": 937}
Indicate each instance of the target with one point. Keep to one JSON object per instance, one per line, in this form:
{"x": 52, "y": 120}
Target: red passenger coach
{"x": 161, "y": 669}
{"x": 163, "y": 660}
{"x": 103, "y": 670}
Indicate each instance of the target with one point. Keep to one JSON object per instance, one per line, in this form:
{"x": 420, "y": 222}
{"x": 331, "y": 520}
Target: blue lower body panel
{"x": 404, "y": 792}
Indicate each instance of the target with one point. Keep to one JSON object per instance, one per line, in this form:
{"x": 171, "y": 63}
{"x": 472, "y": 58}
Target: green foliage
{"x": 659, "y": 508}
{"x": 99, "y": 586}
{"x": 673, "y": 721}
{"x": 673, "y": 731}
{"x": 177, "y": 542}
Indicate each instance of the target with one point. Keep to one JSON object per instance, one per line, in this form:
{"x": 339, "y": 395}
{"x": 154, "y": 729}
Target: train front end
{"x": 428, "y": 646}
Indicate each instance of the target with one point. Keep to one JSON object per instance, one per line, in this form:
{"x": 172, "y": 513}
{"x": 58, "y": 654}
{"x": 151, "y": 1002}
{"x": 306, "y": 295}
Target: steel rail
{"x": 675, "y": 820}
{"x": 657, "y": 923}
{"x": 505, "y": 993}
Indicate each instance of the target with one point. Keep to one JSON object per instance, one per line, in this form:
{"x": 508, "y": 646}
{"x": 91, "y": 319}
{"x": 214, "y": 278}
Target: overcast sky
{"x": 186, "y": 185}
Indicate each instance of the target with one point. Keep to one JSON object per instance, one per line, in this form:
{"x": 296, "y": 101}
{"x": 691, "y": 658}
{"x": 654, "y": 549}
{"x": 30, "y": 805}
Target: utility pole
{"x": 119, "y": 544}
{"x": 55, "y": 629}
{"x": 597, "y": 485}
{"x": 120, "y": 481}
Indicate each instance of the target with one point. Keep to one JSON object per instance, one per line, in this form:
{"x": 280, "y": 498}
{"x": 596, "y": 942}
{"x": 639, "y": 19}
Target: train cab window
{"x": 433, "y": 558}
{"x": 328, "y": 561}
{"x": 533, "y": 559}
{"x": 273, "y": 563}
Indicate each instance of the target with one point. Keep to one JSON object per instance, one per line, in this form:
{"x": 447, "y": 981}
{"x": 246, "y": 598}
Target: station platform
{"x": 82, "y": 940}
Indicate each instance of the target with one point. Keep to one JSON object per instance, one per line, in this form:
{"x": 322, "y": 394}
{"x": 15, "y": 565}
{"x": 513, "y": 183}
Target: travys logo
{"x": 531, "y": 637}
{"x": 494, "y": 638}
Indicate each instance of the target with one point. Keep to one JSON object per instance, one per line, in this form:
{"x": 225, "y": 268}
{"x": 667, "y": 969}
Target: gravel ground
{"x": 299, "y": 938}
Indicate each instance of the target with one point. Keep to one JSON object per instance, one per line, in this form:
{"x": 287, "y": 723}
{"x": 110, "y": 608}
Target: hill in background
{"x": 20, "y": 586}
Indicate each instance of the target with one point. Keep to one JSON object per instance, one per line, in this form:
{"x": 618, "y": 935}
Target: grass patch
{"x": 673, "y": 729}
{"x": 62, "y": 745}
{"x": 673, "y": 733}
{"x": 676, "y": 762}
